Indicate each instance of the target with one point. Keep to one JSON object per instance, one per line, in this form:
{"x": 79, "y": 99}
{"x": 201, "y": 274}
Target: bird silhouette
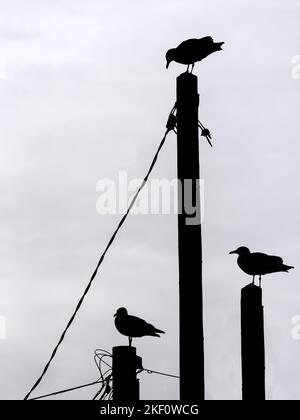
{"x": 132, "y": 326}
{"x": 259, "y": 264}
{"x": 193, "y": 50}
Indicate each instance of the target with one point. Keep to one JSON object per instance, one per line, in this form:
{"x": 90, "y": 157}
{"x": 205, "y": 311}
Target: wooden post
{"x": 125, "y": 382}
{"x": 253, "y": 344}
{"x": 189, "y": 242}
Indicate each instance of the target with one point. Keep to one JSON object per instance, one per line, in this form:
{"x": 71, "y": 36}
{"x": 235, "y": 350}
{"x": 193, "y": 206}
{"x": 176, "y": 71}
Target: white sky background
{"x": 85, "y": 94}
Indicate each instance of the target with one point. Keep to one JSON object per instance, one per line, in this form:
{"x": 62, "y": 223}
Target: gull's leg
{"x": 253, "y": 282}
{"x": 260, "y": 281}
{"x": 130, "y": 341}
{"x": 193, "y": 65}
{"x": 187, "y": 70}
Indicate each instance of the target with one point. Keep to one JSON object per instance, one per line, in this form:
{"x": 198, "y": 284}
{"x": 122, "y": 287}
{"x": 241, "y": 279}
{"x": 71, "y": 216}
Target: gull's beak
{"x": 115, "y": 315}
{"x": 168, "y": 63}
{"x": 232, "y": 252}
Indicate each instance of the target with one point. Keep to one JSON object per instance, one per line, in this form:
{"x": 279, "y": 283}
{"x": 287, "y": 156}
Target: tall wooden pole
{"x": 253, "y": 344}
{"x": 189, "y": 241}
{"x": 125, "y": 382}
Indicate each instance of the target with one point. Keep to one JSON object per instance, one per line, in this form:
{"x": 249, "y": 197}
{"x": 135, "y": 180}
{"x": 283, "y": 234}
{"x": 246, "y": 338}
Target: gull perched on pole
{"x": 132, "y": 326}
{"x": 193, "y": 50}
{"x": 258, "y": 264}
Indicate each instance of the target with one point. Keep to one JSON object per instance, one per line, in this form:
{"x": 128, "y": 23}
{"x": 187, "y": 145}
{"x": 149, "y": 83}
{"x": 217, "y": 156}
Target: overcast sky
{"x": 85, "y": 94}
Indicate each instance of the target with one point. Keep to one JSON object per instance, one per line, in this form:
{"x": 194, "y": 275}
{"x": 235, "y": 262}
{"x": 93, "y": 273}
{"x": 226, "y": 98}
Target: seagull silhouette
{"x": 259, "y": 264}
{"x": 132, "y": 326}
{"x": 193, "y": 50}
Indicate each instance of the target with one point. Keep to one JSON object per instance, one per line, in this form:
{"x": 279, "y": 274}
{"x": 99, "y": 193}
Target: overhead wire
{"x": 104, "y": 379}
{"x": 160, "y": 373}
{"x": 65, "y": 390}
{"x": 171, "y": 124}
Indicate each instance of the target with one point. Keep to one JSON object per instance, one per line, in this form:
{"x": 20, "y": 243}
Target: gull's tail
{"x": 286, "y": 268}
{"x": 218, "y": 46}
{"x": 156, "y": 332}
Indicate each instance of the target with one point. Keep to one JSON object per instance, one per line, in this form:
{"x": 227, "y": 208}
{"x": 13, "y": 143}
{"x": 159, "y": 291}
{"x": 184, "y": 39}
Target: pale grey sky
{"x": 85, "y": 94}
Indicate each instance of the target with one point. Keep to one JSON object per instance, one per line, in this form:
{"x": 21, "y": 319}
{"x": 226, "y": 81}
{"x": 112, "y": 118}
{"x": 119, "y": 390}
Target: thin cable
{"x": 99, "y": 392}
{"x": 161, "y": 373}
{"x": 110, "y": 395}
{"x": 98, "y": 358}
{"x": 103, "y": 351}
{"x": 98, "y": 265}
{"x": 102, "y": 361}
{"x": 105, "y": 389}
{"x": 67, "y": 390}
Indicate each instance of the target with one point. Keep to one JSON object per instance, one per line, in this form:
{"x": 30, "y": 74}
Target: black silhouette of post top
{"x": 124, "y": 368}
{"x": 189, "y": 242}
{"x": 253, "y": 344}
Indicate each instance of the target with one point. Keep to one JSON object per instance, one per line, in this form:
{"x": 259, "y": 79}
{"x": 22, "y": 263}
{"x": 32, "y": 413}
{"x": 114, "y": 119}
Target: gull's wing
{"x": 138, "y": 327}
{"x": 266, "y": 263}
{"x": 188, "y": 44}
{"x": 206, "y": 40}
